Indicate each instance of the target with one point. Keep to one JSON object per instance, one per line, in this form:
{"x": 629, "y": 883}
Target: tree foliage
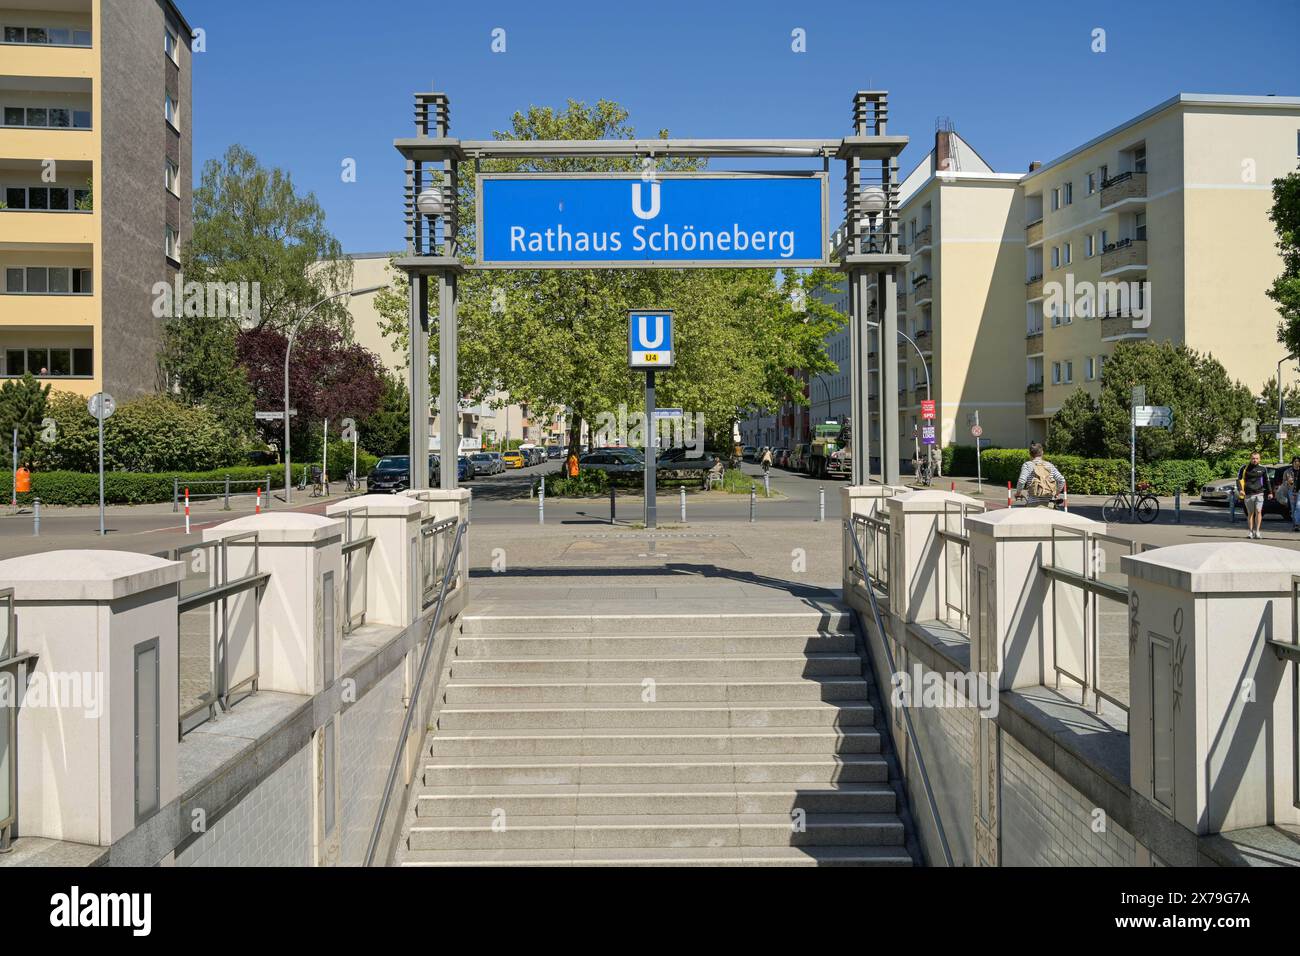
{"x": 387, "y": 430}
{"x": 1285, "y": 290}
{"x": 558, "y": 338}
{"x": 23, "y": 402}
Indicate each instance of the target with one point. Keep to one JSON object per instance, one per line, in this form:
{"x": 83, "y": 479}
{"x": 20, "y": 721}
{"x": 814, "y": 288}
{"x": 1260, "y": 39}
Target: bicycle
{"x": 351, "y": 483}
{"x": 1125, "y": 505}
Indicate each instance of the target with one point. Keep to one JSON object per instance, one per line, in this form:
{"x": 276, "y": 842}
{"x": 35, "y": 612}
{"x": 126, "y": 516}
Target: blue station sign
{"x": 673, "y": 220}
{"x": 650, "y": 339}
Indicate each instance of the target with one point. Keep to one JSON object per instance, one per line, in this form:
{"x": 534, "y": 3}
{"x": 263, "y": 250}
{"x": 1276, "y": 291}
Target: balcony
{"x": 48, "y": 61}
{"x": 1126, "y": 187}
{"x": 1034, "y": 287}
{"x": 1034, "y": 343}
{"x": 1121, "y": 327}
{"x": 1034, "y": 232}
{"x": 1034, "y": 398}
{"x": 1124, "y": 256}
{"x": 921, "y": 240}
{"x": 64, "y": 312}
{"x": 24, "y": 227}
{"x": 37, "y": 143}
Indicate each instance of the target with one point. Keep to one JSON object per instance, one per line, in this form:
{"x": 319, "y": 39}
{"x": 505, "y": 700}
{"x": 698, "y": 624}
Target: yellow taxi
{"x": 513, "y": 459}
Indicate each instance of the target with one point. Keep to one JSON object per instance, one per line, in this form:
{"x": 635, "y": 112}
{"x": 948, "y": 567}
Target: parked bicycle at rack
{"x": 1126, "y": 506}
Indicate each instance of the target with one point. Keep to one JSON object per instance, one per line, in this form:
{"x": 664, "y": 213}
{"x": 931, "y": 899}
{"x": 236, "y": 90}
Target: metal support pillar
{"x": 887, "y": 306}
{"x": 651, "y": 455}
{"x": 858, "y": 381}
{"x": 418, "y": 335}
{"x": 448, "y": 384}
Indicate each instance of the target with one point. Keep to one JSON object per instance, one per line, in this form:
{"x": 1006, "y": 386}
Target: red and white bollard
{"x": 952, "y": 486}
{"x": 187, "y": 511}
{"x": 1065, "y": 495}
{"x": 259, "y": 501}
{"x": 1009, "y": 499}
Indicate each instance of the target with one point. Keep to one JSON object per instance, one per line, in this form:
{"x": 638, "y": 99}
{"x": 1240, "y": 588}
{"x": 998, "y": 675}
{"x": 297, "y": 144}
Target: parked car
{"x": 485, "y": 463}
{"x": 514, "y": 459}
{"x": 612, "y": 460}
{"x": 392, "y": 474}
{"x": 1218, "y": 492}
{"x": 554, "y": 453}
{"x": 748, "y": 453}
{"x": 684, "y": 459}
{"x": 464, "y": 469}
{"x": 798, "y": 458}
{"x": 779, "y": 456}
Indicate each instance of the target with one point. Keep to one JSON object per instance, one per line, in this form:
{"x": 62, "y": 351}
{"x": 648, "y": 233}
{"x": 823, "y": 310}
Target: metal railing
{"x": 413, "y": 704}
{"x": 357, "y": 543}
{"x": 955, "y": 558}
{"x": 1089, "y": 606}
{"x": 11, "y": 662}
{"x": 223, "y": 488}
{"x": 433, "y": 555}
{"x": 230, "y": 638}
{"x": 914, "y": 746}
{"x": 1289, "y": 652}
{"x": 871, "y": 548}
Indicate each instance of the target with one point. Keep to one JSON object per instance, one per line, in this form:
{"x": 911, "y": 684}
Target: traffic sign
{"x": 1268, "y": 428}
{"x": 1157, "y": 416}
{"x": 650, "y": 340}
{"x": 927, "y": 434}
{"x": 976, "y": 431}
{"x": 101, "y": 405}
{"x": 668, "y": 413}
{"x": 668, "y": 220}
{"x": 927, "y": 408}
{"x": 273, "y": 416}
{"x": 1291, "y": 422}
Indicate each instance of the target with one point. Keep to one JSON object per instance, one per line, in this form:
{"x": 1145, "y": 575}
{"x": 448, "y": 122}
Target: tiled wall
{"x": 272, "y": 826}
{"x": 1046, "y": 822}
{"x": 368, "y": 738}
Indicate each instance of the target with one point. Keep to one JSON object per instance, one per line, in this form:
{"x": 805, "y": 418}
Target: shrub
{"x": 1105, "y": 476}
{"x": 589, "y": 483}
{"x": 153, "y": 433}
{"x": 960, "y": 459}
{"x": 339, "y": 461}
{"x": 134, "y": 488}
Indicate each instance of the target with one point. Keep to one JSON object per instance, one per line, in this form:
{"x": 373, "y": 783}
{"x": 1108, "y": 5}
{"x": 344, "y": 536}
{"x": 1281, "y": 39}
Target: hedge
{"x": 135, "y": 488}
{"x": 1105, "y": 476}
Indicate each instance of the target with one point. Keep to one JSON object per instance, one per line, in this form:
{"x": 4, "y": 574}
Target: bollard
{"x": 176, "y": 494}
{"x": 269, "y": 496}
{"x": 1178, "y": 506}
{"x": 683, "y": 491}
{"x": 767, "y": 486}
{"x": 258, "y": 509}
{"x": 187, "y": 511}
{"x": 612, "y": 514}
{"x": 1065, "y": 495}
{"x": 541, "y": 501}
{"x": 753, "y": 498}
{"x": 1009, "y": 498}
{"x": 226, "y": 505}
{"x": 36, "y": 517}
{"x": 821, "y": 502}
{"x": 1232, "y": 505}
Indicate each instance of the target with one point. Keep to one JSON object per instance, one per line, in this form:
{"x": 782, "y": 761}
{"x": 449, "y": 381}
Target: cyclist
{"x": 766, "y": 460}
{"x": 1252, "y": 487}
{"x": 1040, "y": 478}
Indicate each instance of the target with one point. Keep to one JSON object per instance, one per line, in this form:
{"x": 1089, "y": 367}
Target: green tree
{"x": 558, "y": 338}
{"x": 251, "y": 225}
{"x": 1076, "y": 427}
{"x": 23, "y": 403}
{"x": 388, "y": 430}
{"x": 1285, "y": 290}
{"x": 1208, "y": 406}
{"x": 198, "y": 358}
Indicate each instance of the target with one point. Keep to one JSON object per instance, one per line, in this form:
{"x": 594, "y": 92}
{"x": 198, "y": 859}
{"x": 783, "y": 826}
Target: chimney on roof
{"x": 1035, "y": 165}
{"x": 945, "y": 147}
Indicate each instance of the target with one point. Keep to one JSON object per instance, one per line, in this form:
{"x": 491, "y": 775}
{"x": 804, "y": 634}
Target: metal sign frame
{"x": 672, "y": 352}
{"x": 824, "y": 262}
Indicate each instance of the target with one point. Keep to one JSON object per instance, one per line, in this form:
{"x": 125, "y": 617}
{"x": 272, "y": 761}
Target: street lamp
{"x": 288, "y": 481}
{"x": 873, "y": 201}
{"x": 1280, "y": 409}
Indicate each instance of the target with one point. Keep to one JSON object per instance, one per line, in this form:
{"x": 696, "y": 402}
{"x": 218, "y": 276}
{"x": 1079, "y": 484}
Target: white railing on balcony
{"x": 1090, "y": 616}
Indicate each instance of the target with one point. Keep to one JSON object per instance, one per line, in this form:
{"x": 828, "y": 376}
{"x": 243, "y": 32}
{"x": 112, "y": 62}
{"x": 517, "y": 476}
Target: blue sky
{"x": 305, "y": 85}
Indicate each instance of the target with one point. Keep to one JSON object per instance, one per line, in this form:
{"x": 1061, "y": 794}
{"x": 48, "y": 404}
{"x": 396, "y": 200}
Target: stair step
{"x": 564, "y": 691}
{"x": 510, "y": 646}
{"x": 699, "y": 830}
{"x": 623, "y": 799}
{"x": 668, "y": 770}
{"x": 677, "y": 856}
{"x": 774, "y": 622}
{"x": 755, "y": 714}
{"x": 735, "y": 666}
{"x": 656, "y": 741}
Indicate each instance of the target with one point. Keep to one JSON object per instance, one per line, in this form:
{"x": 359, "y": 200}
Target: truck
{"x": 830, "y": 455}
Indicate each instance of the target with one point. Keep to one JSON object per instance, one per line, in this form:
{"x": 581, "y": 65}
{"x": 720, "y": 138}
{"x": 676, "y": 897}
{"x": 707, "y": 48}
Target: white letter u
{"x": 654, "y": 201}
{"x": 658, "y": 333}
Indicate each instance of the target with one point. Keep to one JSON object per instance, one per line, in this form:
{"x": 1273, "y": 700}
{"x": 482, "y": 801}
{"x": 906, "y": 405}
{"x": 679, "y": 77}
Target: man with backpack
{"x": 1252, "y": 488}
{"x": 1040, "y": 478}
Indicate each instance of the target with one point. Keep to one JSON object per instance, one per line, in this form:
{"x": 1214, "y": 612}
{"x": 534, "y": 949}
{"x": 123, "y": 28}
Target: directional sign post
{"x": 101, "y": 406}
{"x": 1143, "y": 416}
{"x": 650, "y": 347}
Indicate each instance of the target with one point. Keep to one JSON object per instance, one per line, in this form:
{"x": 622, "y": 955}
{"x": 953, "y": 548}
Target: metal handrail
{"x": 10, "y": 661}
{"x": 961, "y": 540}
{"x": 907, "y": 718}
{"x": 430, "y": 528}
{"x": 351, "y": 620}
{"x": 414, "y": 705}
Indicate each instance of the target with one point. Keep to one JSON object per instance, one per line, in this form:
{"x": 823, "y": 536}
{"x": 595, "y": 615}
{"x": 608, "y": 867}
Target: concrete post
{"x": 301, "y": 613}
{"x": 394, "y": 522}
{"x": 917, "y": 552}
{"x": 860, "y": 500}
{"x": 1211, "y": 725}
{"x": 97, "y": 722}
{"x": 1011, "y": 610}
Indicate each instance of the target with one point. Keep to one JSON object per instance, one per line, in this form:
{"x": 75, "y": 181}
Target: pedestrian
{"x": 571, "y": 465}
{"x": 1040, "y": 478}
{"x": 1252, "y": 488}
{"x": 1287, "y": 489}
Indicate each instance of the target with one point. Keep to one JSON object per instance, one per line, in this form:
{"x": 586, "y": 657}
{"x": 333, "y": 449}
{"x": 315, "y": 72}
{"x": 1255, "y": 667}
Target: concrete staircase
{"x": 643, "y": 739}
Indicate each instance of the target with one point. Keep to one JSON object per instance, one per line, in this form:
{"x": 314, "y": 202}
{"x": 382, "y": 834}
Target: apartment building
{"x": 95, "y": 99}
{"x": 1157, "y": 229}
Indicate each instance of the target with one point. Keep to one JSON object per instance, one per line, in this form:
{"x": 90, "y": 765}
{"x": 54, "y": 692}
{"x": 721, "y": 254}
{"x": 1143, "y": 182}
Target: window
{"x": 1056, "y": 373}
{"x": 170, "y": 43}
{"x": 171, "y": 177}
{"x": 1065, "y": 254}
{"x": 1105, "y": 240}
{"x": 1056, "y": 199}
{"x": 1056, "y": 257}
{"x": 1101, "y": 364}
{"x": 15, "y": 361}
{"x": 1103, "y": 173}
{"x": 43, "y": 198}
{"x": 47, "y": 117}
{"x": 171, "y": 110}
{"x": 1069, "y": 372}
{"x": 1067, "y": 194}
{"x": 169, "y": 243}
{"x": 60, "y": 36}
{"x": 1140, "y": 226}
{"x": 1092, "y": 183}
{"x": 1140, "y": 158}
{"x": 1089, "y": 368}
{"x": 1089, "y": 249}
